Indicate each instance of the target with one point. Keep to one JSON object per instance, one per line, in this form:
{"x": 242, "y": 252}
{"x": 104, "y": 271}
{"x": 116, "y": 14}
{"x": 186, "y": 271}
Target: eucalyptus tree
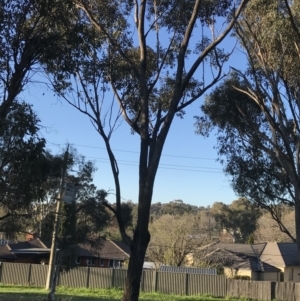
{"x": 29, "y": 31}
{"x": 153, "y": 56}
{"x": 239, "y": 218}
{"x": 263, "y": 159}
{"x": 255, "y": 174}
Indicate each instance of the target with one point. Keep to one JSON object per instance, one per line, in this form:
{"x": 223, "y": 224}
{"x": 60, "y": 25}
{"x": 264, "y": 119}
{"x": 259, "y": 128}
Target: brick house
{"x": 111, "y": 254}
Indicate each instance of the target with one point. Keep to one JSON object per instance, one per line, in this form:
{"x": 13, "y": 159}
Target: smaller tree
{"x": 239, "y": 218}
{"x": 81, "y": 221}
{"x": 173, "y": 238}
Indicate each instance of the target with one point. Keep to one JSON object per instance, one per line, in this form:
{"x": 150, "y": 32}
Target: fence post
{"x": 142, "y": 281}
{"x": 187, "y": 284}
{"x": 88, "y": 277}
{"x": 113, "y": 278}
{"x": 29, "y": 274}
{"x": 58, "y": 277}
{"x": 1, "y": 269}
{"x": 273, "y": 287}
{"x": 154, "y": 281}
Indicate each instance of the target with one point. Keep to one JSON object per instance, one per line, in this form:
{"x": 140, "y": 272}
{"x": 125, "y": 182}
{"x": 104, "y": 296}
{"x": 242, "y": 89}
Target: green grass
{"x": 21, "y": 293}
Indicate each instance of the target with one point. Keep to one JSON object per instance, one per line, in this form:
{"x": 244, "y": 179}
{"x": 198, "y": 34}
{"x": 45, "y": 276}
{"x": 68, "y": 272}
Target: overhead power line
{"x": 129, "y": 151}
{"x": 161, "y": 166}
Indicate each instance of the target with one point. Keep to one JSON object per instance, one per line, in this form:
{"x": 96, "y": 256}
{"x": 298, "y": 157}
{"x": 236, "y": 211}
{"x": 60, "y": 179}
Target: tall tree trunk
{"x": 138, "y": 251}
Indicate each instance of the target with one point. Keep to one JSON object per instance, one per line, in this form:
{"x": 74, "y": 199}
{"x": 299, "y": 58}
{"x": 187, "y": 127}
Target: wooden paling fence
{"x": 153, "y": 281}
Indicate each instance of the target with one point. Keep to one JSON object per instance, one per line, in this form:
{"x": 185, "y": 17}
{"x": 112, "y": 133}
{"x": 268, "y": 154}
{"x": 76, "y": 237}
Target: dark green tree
{"x": 22, "y": 168}
{"x": 239, "y": 218}
{"x": 251, "y": 164}
{"x": 30, "y": 30}
{"x": 270, "y": 35}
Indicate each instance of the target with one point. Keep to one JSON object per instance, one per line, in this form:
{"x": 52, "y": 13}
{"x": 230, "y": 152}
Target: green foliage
{"x": 83, "y": 221}
{"x": 139, "y": 51}
{"x": 84, "y": 294}
{"x": 22, "y": 167}
{"x": 30, "y": 30}
{"x": 239, "y": 218}
{"x": 251, "y": 239}
{"x": 257, "y": 124}
{"x": 176, "y": 207}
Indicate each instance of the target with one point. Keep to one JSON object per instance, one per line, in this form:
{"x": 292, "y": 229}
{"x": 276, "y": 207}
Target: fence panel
{"x": 233, "y": 288}
{"x": 101, "y": 278}
{"x": 15, "y": 273}
{"x": 38, "y": 274}
{"x": 171, "y": 283}
{"x": 164, "y": 282}
{"x": 119, "y": 277}
{"x": 77, "y": 277}
{"x": 285, "y": 291}
{"x": 263, "y": 290}
{"x": 297, "y": 291}
{"x": 148, "y": 281}
{"x": 256, "y": 290}
{"x": 206, "y": 284}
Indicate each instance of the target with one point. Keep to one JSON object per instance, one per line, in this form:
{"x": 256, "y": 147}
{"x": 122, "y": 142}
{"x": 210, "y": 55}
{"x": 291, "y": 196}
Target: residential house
{"x": 111, "y": 254}
{"x": 31, "y": 251}
{"x": 242, "y": 260}
{"x": 284, "y": 256}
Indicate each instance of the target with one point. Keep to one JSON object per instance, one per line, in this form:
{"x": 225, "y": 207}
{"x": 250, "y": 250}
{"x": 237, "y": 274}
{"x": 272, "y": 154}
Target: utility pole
{"x": 52, "y": 259}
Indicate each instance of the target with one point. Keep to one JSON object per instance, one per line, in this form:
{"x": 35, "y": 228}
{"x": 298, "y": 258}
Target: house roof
{"x": 243, "y": 256}
{"x": 233, "y": 260}
{"x": 280, "y": 254}
{"x": 289, "y": 253}
{"x": 33, "y": 243}
{"x": 249, "y": 250}
{"x": 109, "y": 250}
{"x": 32, "y": 246}
{"x": 114, "y": 250}
{"x": 5, "y": 253}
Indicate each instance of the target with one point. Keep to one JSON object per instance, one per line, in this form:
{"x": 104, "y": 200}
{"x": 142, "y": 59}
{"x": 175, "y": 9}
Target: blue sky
{"x": 188, "y": 168}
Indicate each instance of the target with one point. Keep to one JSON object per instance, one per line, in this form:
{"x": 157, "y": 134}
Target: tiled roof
{"x": 114, "y": 250}
{"x": 5, "y": 253}
{"x": 249, "y": 250}
{"x": 269, "y": 268}
{"x": 289, "y": 253}
{"x": 33, "y": 243}
{"x": 234, "y": 260}
{"x": 109, "y": 250}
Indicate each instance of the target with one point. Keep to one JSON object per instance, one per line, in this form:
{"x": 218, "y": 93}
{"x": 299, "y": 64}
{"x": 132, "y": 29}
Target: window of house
{"x": 77, "y": 260}
{"x": 115, "y": 263}
{"x": 118, "y": 264}
{"x": 101, "y": 262}
{"x": 90, "y": 261}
